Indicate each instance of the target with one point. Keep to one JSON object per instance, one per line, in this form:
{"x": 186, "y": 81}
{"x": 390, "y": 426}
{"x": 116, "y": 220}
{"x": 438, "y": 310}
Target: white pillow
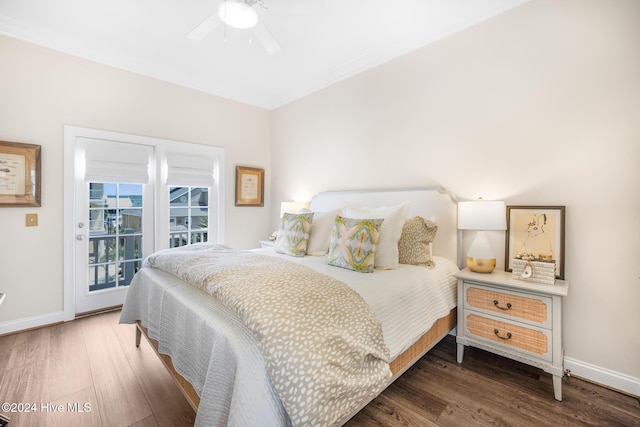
{"x": 321, "y": 229}
{"x": 390, "y": 232}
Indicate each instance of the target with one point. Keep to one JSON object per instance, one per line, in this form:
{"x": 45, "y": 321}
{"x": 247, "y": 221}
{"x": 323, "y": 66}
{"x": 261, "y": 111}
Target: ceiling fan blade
{"x": 266, "y": 39}
{"x": 205, "y": 27}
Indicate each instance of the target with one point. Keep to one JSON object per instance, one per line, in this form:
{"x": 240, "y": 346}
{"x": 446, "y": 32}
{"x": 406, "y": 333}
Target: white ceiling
{"x": 323, "y": 41}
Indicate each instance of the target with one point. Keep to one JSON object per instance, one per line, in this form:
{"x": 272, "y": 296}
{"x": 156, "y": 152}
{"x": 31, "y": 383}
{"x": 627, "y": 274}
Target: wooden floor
{"x": 92, "y": 364}
{"x": 92, "y": 361}
{"x": 489, "y": 390}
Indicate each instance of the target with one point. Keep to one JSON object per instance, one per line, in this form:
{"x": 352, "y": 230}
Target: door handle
{"x": 80, "y": 237}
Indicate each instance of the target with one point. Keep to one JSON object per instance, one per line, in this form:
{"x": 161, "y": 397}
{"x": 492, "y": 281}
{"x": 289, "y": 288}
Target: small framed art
{"x": 536, "y": 230}
{"x": 249, "y": 186}
{"x": 19, "y": 174}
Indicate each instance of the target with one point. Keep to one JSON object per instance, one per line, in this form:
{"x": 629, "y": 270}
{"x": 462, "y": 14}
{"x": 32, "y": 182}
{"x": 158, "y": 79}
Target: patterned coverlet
{"x": 322, "y": 344}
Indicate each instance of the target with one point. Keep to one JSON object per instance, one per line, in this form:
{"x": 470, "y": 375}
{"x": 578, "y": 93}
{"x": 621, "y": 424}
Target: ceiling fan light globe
{"x": 237, "y": 14}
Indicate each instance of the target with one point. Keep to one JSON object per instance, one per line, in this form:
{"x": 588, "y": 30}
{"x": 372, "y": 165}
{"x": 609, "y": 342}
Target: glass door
{"x": 115, "y": 234}
{"x": 114, "y": 220}
{"x": 127, "y": 196}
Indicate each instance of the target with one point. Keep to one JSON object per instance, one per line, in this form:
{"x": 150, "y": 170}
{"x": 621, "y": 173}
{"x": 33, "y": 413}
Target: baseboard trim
{"x": 31, "y": 322}
{"x": 611, "y": 379}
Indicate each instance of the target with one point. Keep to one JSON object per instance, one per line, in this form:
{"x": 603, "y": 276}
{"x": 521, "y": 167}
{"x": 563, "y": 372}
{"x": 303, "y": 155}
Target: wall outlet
{"x": 32, "y": 220}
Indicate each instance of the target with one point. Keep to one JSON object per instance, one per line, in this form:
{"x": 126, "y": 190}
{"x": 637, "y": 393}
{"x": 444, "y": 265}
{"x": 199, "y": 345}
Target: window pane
{"x": 199, "y": 218}
{"x": 113, "y": 220}
{"x": 199, "y": 196}
{"x": 131, "y": 220}
{"x": 131, "y": 190}
{"x": 108, "y": 189}
{"x": 130, "y": 195}
{"x": 102, "y": 276}
{"x": 96, "y": 221}
{"x": 188, "y": 215}
{"x": 129, "y": 246}
{"x": 179, "y": 238}
{"x": 179, "y": 216}
{"x": 102, "y": 249}
{"x": 198, "y": 237}
{"x": 178, "y": 196}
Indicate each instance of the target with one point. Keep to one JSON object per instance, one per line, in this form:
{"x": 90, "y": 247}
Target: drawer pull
{"x": 497, "y": 332}
{"x": 495, "y": 302}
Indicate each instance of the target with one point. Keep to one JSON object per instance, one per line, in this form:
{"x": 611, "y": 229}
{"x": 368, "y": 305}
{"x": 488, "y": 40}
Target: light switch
{"x": 32, "y": 220}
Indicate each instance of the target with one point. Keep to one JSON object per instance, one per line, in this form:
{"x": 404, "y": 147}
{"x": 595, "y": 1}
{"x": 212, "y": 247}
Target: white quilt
{"x": 321, "y": 342}
{"x": 407, "y": 300}
{"x": 210, "y": 347}
{"x": 231, "y": 380}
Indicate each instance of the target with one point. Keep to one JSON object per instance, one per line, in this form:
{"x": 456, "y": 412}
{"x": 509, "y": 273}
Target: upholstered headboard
{"x": 433, "y": 203}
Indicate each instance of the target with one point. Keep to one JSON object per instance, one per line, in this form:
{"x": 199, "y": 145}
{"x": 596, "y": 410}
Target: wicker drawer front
{"x": 532, "y": 309}
{"x": 508, "y": 334}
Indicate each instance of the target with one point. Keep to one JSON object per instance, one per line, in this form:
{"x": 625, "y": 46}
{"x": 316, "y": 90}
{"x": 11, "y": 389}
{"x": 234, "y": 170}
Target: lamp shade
{"x": 482, "y": 215}
{"x": 292, "y": 207}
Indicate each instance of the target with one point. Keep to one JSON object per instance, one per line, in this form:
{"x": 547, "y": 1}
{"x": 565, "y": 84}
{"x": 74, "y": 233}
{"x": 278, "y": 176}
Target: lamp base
{"x": 481, "y": 265}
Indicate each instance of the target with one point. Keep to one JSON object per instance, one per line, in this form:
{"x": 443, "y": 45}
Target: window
{"x": 119, "y": 205}
{"x": 188, "y": 215}
{"x": 115, "y": 234}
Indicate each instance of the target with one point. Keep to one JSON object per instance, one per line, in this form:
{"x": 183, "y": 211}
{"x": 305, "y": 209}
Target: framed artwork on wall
{"x": 249, "y": 186}
{"x": 536, "y": 230}
{"x": 19, "y": 174}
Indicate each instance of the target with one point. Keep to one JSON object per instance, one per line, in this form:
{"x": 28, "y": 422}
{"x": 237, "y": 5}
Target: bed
{"x": 220, "y": 360}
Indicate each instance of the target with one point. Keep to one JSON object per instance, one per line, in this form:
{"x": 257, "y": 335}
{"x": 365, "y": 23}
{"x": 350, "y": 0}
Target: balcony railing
{"x": 181, "y": 237}
{"x": 106, "y": 268}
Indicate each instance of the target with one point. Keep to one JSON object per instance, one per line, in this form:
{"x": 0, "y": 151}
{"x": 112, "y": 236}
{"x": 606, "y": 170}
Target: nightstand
{"x": 513, "y": 318}
{"x": 267, "y": 243}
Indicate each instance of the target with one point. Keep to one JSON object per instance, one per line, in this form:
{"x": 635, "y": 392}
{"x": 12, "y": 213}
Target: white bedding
{"x": 407, "y": 300}
{"x": 209, "y": 346}
{"x": 216, "y": 353}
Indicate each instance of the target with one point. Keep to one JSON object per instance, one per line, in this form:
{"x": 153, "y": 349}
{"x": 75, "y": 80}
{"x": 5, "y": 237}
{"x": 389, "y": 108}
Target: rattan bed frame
{"x": 398, "y": 366}
{"x": 438, "y": 204}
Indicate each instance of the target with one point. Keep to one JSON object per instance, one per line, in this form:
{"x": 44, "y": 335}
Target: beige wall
{"x": 42, "y": 90}
{"x": 539, "y": 106}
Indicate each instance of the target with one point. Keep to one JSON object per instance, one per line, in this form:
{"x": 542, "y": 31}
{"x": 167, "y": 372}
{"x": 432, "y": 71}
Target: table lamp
{"x": 292, "y": 207}
{"x": 481, "y": 215}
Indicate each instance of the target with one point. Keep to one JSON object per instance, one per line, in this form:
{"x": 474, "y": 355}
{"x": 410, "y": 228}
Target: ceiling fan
{"x": 239, "y": 14}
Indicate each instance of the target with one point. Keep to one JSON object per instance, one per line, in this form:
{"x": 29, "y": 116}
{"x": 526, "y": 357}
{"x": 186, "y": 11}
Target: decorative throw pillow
{"x": 394, "y": 217}
{"x": 353, "y": 243}
{"x": 414, "y": 246}
{"x": 320, "y": 234}
{"x": 293, "y": 234}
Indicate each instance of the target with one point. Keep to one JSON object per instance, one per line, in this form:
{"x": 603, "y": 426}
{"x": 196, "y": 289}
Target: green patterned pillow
{"x": 353, "y": 243}
{"x": 293, "y": 234}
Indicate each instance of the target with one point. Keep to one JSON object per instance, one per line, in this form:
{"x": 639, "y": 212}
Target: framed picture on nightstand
{"x": 537, "y": 230}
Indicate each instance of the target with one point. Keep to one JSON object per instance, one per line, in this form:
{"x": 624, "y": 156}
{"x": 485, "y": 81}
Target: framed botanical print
{"x": 19, "y": 174}
{"x": 536, "y": 230}
{"x": 249, "y": 186}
